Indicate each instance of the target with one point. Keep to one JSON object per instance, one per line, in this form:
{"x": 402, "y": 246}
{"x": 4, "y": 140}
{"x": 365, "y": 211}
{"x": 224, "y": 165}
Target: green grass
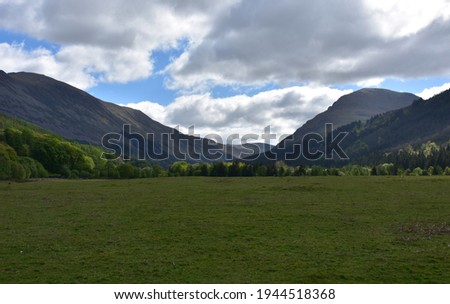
{"x": 226, "y": 230}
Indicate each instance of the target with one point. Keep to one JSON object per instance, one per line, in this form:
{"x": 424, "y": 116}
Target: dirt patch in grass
{"x": 415, "y": 231}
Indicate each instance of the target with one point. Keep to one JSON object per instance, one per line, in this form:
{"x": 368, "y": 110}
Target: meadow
{"x": 378, "y": 229}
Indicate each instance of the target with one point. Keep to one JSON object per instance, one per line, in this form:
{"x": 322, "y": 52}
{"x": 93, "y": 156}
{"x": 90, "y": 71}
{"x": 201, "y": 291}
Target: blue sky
{"x": 233, "y": 66}
{"x": 151, "y": 88}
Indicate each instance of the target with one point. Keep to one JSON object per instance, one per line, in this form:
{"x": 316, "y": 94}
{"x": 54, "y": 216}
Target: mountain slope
{"x": 29, "y": 151}
{"x": 423, "y": 121}
{"x": 359, "y": 105}
{"x": 372, "y": 141}
{"x": 356, "y": 106}
{"x": 76, "y": 115}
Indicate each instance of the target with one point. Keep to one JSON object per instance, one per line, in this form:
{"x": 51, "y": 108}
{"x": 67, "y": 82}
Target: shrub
{"x": 33, "y": 168}
{"x": 126, "y": 171}
{"x": 447, "y": 171}
{"x": 17, "y": 171}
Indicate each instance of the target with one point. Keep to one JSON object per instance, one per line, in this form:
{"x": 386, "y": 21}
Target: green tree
{"x": 447, "y": 170}
{"x": 261, "y": 170}
{"x": 17, "y": 171}
{"x": 126, "y": 171}
{"x": 32, "y": 167}
{"x": 180, "y": 168}
{"x": 219, "y": 169}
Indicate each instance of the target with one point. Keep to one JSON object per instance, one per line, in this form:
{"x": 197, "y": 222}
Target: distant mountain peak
{"x": 359, "y": 105}
{"x": 422, "y": 121}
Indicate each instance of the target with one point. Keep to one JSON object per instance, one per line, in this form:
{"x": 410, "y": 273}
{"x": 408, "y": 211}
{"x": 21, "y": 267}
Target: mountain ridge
{"x": 358, "y": 105}
{"x": 421, "y": 122}
{"x": 77, "y": 115}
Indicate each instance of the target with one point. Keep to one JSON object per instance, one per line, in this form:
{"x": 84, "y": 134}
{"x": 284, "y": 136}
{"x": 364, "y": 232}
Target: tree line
{"x": 279, "y": 168}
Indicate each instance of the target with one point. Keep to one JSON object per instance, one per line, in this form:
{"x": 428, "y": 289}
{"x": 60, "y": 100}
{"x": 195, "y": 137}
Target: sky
{"x": 230, "y": 66}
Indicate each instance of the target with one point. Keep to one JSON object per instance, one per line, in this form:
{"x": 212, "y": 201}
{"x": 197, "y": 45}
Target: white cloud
{"x": 430, "y": 92}
{"x": 82, "y": 67}
{"x": 14, "y": 57}
{"x": 154, "y": 110}
{"x": 284, "y": 110}
{"x": 373, "y": 82}
{"x": 337, "y": 42}
{"x": 102, "y": 41}
{"x": 111, "y": 65}
{"x": 235, "y": 41}
{"x": 405, "y": 17}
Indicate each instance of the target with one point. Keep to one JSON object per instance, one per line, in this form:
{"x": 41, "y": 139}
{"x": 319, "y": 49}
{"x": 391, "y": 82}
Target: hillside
{"x": 76, "y": 115}
{"x": 357, "y": 106}
{"x": 360, "y": 105}
{"x": 416, "y": 135}
{"x": 29, "y": 151}
{"x": 421, "y": 122}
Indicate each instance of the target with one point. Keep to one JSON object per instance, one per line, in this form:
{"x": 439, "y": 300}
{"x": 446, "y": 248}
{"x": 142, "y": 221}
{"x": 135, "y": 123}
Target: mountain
{"x": 357, "y": 106}
{"x": 419, "y": 123}
{"x": 76, "y": 115}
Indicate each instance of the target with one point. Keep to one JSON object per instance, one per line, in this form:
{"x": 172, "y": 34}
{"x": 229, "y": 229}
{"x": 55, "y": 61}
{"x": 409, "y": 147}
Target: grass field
{"x": 226, "y": 230}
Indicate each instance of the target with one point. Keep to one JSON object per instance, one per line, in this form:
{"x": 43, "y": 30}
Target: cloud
{"x": 284, "y": 110}
{"x": 241, "y": 43}
{"x": 234, "y": 41}
{"x": 82, "y": 67}
{"x": 404, "y": 17}
{"x": 14, "y": 57}
{"x": 332, "y": 42}
{"x": 102, "y": 41}
{"x": 430, "y": 92}
{"x": 110, "y": 23}
{"x": 373, "y": 82}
